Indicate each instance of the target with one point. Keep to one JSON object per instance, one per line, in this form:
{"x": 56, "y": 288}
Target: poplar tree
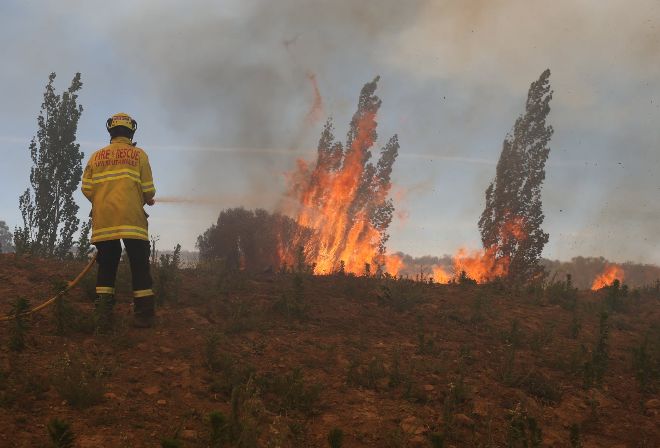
{"x": 514, "y": 196}
{"x": 47, "y": 206}
{"x": 5, "y": 238}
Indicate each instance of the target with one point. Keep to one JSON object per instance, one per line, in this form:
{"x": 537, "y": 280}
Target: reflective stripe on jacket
{"x": 118, "y": 182}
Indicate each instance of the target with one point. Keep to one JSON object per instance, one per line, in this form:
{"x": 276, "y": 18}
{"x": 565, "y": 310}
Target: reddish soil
{"x": 389, "y": 370}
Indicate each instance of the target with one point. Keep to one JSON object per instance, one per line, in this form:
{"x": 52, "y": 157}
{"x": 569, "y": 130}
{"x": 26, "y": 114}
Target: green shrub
{"x": 293, "y": 393}
{"x": 19, "y": 324}
{"x": 78, "y": 381}
{"x": 575, "y": 437}
{"x": 61, "y": 435}
{"x": 646, "y": 365}
{"x": 219, "y": 429}
{"x": 292, "y": 304}
{"x": 335, "y": 438}
{"x": 168, "y": 277}
{"x": 523, "y": 430}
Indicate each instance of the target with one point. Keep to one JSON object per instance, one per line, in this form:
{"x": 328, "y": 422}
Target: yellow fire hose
{"x": 70, "y": 285}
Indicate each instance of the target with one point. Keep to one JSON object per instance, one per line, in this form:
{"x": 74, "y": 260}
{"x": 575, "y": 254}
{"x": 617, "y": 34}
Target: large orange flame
{"x": 325, "y": 198}
{"x": 606, "y": 278}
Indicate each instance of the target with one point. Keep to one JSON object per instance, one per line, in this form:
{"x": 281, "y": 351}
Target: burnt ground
{"x": 287, "y": 358}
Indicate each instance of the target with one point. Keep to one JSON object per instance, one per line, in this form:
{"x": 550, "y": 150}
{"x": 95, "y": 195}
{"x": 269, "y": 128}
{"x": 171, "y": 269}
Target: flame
{"x": 606, "y": 278}
{"x": 325, "y": 197}
{"x": 480, "y": 265}
{"x": 440, "y": 275}
{"x": 393, "y": 264}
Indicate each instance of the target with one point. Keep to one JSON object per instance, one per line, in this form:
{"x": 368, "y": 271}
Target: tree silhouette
{"x": 5, "y": 238}
{"x": 512, "y": 218}
{"x": 247, "y": 239}
{"x": 48, "y": 209}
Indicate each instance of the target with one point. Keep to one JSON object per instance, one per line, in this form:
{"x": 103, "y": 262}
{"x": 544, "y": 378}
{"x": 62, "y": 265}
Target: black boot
{"x": 103, "y": 312}
{"x": 144, "y": 312}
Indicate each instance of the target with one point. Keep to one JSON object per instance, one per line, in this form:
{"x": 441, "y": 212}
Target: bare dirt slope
{"x": 287, "y": 358}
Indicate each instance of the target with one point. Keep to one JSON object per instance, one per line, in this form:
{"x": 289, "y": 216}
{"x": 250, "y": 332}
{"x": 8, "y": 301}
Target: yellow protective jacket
{"x": 118, "y": 182}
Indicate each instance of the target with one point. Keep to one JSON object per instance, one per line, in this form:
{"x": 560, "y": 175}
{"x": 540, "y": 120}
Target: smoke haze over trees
{"x": 47, "y": 206}
{"x": 515, "y": 194}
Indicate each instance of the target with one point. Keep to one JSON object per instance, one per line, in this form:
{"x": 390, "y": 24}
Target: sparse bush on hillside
{"x": 292, "y": 304}
{"x": 78, "y": 381}
{"x": 594, "y": 368}
{"x": 523, "y": 430}
{"x": 61, "y": 434}
{"x": 575, "y": 437}
{"x": 335, "y": 438}
{"x": 646, "y": 364}
{"x": 219, "y": 429}
{"x": 19, "y": 324}
{"x": 247, "y": 410}
{"x": 291, "y": 391}
{"x": 616, "y": 296}
{"x": 168, "y": 281}
{"x": 171, "y": 443}
{"x": 401, "y": 295}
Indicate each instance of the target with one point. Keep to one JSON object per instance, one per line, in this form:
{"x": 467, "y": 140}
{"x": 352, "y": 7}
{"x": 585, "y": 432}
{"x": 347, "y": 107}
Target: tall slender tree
{"x": 5, "y": 238}
{"x": 511, "y": 221}
{"x": 48, "y": 209}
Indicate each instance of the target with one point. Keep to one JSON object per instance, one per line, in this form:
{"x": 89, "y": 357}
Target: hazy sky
{"x": 221, "y": 92}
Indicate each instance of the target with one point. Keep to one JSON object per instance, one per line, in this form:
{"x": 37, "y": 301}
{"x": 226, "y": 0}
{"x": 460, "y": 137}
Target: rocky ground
{"x": 284, "y": 360}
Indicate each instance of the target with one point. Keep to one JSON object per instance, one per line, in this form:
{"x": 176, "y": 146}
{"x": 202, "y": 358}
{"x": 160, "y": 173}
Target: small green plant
{"x": 646, "y": 366}
{"x": 168, "y": 281}
{"x": 514, "y": 336}
{"x": 61, "y": 435}
{"x": 400, "y": 295}
{"x": 523, "y": 430}
{"x": 575, "y": 437}
{"x": 292, "y": 392}
{"x": 19, "y": 325}
{"x": 425, "y": 346}
{"x": 78, "y": 381}
{"x": 368, "y": 376}
{"x": 464, "y": 279}
{"x": 616, "y": 293}
{"x": 576, "y": 326}
{"x": 542, "y": 338}
{"x": 478, "y": 308}
{"x": 335, "y": 438}
{"x": 437, "y": 440}
{"x": 396, "y": 376}
{"x": 595, "y": 367}
{"x": 292, "y": 304}
{"x": 541, "y": 387}
{"x": 246, "y": 411}
{"x": 219, "y": 429}
{"x": 171, "y": 443}
{"x": 507, "y": 373}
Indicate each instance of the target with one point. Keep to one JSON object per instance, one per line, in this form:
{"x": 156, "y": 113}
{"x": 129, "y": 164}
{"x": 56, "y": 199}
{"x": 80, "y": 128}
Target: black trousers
{"x": 109, "y": 255}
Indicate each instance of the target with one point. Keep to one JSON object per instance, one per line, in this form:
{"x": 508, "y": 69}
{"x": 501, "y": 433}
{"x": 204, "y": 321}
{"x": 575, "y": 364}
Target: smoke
{"x": 234, "y": 74}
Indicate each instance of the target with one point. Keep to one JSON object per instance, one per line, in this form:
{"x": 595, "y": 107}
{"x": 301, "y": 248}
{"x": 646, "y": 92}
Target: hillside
{"x": 287, "y": 358}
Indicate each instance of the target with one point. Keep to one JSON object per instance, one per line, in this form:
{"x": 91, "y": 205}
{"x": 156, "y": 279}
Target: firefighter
{"x": 118, "y": 182}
